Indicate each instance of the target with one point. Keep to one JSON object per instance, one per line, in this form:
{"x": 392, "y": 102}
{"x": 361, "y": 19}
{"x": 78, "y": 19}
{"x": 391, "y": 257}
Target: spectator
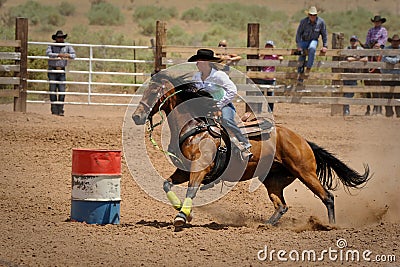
{"x": 377, "y": 109}
{"x": 395, "y": 42}
{"x": 308, "y": 32}
{"x": 378, "y": 33}
{"x": 227, "y": 59}
{"x": 218, "y": 84}
{"x": 58, "y": 60}
{"x": 269, "y": 81}
{"x": 354, "y": 44}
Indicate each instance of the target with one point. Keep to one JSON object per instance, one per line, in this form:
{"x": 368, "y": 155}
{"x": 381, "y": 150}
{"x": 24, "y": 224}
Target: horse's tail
{"x": 326, "y": 162}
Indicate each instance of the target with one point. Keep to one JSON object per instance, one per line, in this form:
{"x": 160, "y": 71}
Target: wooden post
{"x": 337, "y": 43}
{"x": 253, "y": 40}
{"x": 161, "y": 39}
{"x": 21, "y": 33}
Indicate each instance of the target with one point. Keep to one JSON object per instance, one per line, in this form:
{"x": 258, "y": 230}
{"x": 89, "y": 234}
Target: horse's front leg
{"x": 178, "y": 177}
{"x": 185, "y": 211}
{"x": 197, "y": 150}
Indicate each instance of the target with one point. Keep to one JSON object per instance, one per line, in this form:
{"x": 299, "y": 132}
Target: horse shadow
{"x": 212, "y": 226}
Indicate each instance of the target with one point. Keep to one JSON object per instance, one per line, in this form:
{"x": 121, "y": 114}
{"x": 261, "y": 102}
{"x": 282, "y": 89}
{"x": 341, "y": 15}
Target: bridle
{"x": 149, "y": 121}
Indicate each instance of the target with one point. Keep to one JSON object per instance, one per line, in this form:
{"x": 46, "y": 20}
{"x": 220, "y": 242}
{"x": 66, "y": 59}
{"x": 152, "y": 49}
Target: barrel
{"x": 96, "y": 190}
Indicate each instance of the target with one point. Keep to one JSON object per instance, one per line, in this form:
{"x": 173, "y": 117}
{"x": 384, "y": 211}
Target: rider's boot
{"x": 244, "y": 148}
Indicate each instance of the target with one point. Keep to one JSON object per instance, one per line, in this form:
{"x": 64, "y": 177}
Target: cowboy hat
{"x": 394, "y": 38}
{"x": 204, "y": 55}
{"x": 312, "y": 11}
{"x": 59, "y": 33}
{"x": 378, "y": 18}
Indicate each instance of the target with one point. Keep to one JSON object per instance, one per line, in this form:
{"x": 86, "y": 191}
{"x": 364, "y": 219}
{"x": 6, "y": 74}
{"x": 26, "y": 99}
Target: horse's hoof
{"x": 180, "y": 220}
{"x": 190, "y": 217}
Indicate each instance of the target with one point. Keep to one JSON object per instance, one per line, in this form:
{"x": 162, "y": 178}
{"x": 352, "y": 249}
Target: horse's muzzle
{"x": 140, "y": 115}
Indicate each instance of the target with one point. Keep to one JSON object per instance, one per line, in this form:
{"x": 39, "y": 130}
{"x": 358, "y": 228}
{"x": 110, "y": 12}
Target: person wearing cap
{"x": 227, "y": 59}
{"x": 268, "y": 81}
{"x": 378, "y": 33}
{"x": 307, "y": 35}
{"x": 394, "y": 44}
{"x": 58, "y": 60}
{"x": 354, "y": 44}
{"x": 218, "y": 84}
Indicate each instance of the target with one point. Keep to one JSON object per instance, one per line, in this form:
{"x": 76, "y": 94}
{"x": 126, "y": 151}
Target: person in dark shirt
{"x": 58, "y": 60}
{"x": 307, "y": 35}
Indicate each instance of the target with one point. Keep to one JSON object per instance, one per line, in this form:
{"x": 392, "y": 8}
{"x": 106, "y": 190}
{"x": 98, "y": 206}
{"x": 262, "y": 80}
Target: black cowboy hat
{"x": 394, "y": 38}
{"x": 204, "y": 55}
{"x": 59, "y": 33}
{"x": 378, "y": 18}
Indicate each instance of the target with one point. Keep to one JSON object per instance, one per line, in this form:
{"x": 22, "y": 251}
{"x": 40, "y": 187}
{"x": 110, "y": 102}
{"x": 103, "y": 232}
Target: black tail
{"x": 326, "y": 162}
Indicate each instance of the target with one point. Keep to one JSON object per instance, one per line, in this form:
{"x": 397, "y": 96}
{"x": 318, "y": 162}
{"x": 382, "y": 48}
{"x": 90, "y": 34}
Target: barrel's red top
{"x": 96, "y": 162}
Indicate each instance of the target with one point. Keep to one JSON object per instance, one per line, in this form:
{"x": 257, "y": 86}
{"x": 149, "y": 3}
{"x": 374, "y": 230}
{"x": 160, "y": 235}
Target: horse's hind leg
{"x": 313, "y": 183}
{"x": 330, "y": 206}
{"x": 275, "y": 185}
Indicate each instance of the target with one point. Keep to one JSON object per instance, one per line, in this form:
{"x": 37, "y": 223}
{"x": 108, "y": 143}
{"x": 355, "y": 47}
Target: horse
{"x": 292, "y": 158}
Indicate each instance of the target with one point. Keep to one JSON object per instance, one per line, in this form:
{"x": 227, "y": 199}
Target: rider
{"x": 218, "y": 84}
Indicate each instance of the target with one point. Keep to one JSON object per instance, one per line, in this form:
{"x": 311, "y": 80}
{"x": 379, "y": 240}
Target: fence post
{"x": 337, "y": 43}
{"x": 21, "y": 33}
{"x": 253, "y": 33}
{"x": 161, "y": 39}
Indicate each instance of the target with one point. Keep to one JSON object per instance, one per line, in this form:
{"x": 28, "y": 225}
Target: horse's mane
{"x": 182, "y": 82}
{"x": 187, "y": 90}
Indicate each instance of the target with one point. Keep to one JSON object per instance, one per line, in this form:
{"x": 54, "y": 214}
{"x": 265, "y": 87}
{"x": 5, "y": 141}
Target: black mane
{"x": 182, "y": 82}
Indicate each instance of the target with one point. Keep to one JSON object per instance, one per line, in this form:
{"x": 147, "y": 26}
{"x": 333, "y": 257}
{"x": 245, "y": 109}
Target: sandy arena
{"x": 35, "y": 199}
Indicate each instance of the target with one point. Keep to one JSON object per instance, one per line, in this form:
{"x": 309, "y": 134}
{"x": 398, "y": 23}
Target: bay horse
{"x": 292, "y": 158}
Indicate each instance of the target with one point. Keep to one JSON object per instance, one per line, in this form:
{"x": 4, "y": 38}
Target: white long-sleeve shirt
{"x": 218, "y": 85}
{"x": 391, "y": 60}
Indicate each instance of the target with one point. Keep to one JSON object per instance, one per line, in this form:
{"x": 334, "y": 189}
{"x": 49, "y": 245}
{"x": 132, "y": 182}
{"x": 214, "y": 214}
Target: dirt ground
{"x": 35, "y": 200}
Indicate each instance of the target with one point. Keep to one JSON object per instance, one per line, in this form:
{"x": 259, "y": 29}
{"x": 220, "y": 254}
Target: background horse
{"x": 293, "y": 158}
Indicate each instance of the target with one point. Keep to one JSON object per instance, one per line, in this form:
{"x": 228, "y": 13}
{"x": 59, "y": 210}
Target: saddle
{"x": 249, "y": 127}
{"x": 255, "y": 126}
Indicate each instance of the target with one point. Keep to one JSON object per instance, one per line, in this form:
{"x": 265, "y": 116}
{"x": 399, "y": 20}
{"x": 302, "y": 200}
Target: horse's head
{"x": 156, "y": 91}
{"x": 164, "y": 92}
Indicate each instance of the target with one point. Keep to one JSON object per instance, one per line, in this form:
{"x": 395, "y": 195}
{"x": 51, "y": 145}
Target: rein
{"x": 152, "y": 126}
{"x": 221, "y": 157}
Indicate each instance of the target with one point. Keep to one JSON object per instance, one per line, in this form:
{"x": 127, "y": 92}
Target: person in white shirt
{"x": 218, "y": 84}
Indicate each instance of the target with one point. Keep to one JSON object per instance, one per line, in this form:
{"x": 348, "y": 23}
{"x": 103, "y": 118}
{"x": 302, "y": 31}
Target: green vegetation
{"x": 2, "y": 2}
{"x": 47, "y": 17}
{"x": 216, "y": 21}
{"x": 105, "y": 14}
{"x": 193, "y": 14}
{"x": 222, "y": 21}
{"x": 155, "y": 13}
{"x": 66, "y": 9}
{"x": 146, "y": 17}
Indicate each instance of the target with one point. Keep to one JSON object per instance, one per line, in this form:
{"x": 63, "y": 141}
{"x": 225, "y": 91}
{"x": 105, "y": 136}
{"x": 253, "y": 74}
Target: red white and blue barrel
{"x": 96, "y": 190}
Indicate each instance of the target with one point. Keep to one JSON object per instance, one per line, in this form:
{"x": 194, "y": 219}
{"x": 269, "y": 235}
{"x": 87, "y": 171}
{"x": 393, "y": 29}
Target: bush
{"x": 105, "y": 14}
{"x": 2, "y": 2}
{"x": 38, "y": 15}
{"x": 66, "y": 9}
{"x": 194, "y": 14}
{"x": 154, "y": 13}
{"x": 148, "y": 26}
{"x": 178, "y": 35}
